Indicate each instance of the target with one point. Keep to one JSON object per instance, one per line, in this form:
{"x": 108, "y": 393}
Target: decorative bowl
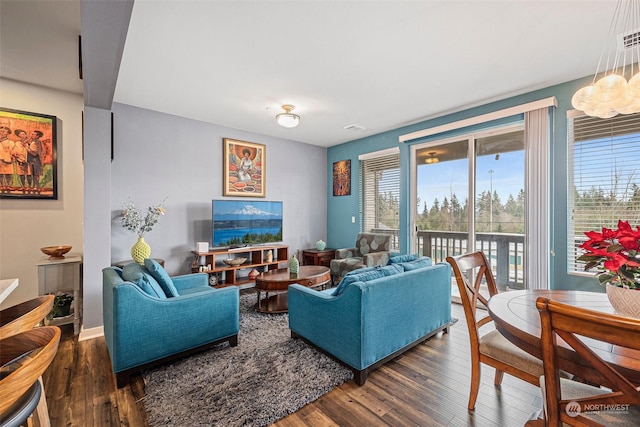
{"x": 234, "y": 261}
{"x": 55, "y": 252}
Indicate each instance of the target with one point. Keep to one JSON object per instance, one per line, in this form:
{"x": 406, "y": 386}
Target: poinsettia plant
{"x": 615, "y": 254}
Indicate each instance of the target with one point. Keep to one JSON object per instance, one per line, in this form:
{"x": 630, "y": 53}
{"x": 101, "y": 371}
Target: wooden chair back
{"x": 24, "y": 316}
{"x": 468, "y": 267}
{"x": 574, "y": 324}
{"x": 24, "y": 357}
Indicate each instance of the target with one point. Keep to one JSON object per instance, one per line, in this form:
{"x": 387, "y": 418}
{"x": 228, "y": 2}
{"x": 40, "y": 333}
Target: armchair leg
{"x": 122, "y": 379}
{"x": 498, "y": 378}
{"x": 233, "y": 341}
{"x": 360, "y": 376}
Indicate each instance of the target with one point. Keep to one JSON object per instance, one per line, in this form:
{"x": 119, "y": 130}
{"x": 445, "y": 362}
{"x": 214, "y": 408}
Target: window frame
{"x": 618, "y": 132}
{"x": 368, "y": 163}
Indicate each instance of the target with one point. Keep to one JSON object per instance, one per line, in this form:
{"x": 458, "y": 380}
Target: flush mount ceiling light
{"x": 288, "y": 119}
{"x": 432, "y": 158}
{"x": 611, "y": 94}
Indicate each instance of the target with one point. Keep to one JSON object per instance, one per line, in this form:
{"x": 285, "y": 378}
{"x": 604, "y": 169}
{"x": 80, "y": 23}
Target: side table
{"x": 316, "y": 257}
{"x": 63, "y": 275}
{"x": 121, "y": 264}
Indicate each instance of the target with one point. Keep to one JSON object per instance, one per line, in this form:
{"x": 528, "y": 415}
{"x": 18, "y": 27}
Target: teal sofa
{"x": 375, "y": 313}
{"x": 146, "y": 324}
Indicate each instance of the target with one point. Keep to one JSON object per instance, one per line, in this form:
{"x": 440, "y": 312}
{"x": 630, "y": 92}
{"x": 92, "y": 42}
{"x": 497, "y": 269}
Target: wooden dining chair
{"x": 617, "y": 401}
{"x": 490, "y": 348}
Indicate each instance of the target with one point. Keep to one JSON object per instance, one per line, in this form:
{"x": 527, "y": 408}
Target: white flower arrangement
{"x": 132, "y": 218}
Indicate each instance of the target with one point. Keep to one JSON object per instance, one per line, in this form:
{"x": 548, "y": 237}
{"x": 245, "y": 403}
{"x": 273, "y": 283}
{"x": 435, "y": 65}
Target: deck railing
{"x": 505, "y": 251}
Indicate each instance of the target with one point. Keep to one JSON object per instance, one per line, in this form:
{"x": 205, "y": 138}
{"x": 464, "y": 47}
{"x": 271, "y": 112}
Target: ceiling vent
{"x": 355, "y": 128}
{"x": 629, "y": 39}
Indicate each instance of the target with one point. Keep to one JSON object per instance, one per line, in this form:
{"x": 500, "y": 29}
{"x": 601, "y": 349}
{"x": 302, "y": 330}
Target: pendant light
{"x": 610, "y": 94}
{"x": 432, "y": 158}
{"x": 288, "y": 119}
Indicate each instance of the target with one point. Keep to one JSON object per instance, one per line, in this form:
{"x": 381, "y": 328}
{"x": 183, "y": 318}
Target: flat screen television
{"x": 240, "y": 222}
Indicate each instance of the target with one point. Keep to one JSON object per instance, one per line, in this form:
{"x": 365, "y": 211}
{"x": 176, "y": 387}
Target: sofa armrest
{"x": 143, "y": 328}
{"x": 190, "y": 280}
{"x": 347, "y": 253}
{"x": 340, "y": 334}
{"x": 376, "y": 258}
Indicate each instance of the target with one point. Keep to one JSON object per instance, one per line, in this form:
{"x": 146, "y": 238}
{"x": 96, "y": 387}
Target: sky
{"x": 444, "y": 178}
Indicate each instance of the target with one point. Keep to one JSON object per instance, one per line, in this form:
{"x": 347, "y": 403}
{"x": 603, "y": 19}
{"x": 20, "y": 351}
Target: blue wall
{"x": 342, "y": 233}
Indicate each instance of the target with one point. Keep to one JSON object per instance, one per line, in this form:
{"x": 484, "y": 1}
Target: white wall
{"x": 97, "y": 218}
{"x": 158, "y": 155}
{"x": 28, "y": 225}
{"x": 155, "y": 156}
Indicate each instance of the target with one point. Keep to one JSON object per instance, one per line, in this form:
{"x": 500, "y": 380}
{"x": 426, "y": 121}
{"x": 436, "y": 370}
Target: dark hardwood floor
{"x": 426, "y": 386}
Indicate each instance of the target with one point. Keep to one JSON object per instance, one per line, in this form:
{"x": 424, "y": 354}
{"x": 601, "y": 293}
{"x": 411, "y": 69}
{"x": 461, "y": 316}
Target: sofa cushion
{"x": 403, "y": 258}
{"x": 161, "y": 276}
{"x": 140, "y": 276}
{"x": 366, "y": 274}
{"x": 418, "y": 263}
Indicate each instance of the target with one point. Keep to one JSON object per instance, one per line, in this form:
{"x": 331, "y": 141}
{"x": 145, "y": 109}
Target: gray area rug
{"x": 266, "y": 377}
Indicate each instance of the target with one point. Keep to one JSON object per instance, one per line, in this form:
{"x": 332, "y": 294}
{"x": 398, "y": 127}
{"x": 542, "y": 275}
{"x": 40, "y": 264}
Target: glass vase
{"x": 294, "y": 265}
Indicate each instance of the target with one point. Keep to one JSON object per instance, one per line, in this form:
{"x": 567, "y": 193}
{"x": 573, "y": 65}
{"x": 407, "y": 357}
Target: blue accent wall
{"x": 342, "y": 233}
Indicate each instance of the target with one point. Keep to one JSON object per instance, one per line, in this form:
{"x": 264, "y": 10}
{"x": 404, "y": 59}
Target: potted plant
{"x": 615, "y": 254}
{"x": 133, "y": 220}
{"x": 61, "y": 306}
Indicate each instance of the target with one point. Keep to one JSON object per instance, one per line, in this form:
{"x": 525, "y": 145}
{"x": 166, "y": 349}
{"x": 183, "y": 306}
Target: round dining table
{"x": 516, "y": 317}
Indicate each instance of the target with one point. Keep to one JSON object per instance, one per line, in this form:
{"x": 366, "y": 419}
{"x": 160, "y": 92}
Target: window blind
{"x": 604, "y": 177}
{"x": 380, "y": 189}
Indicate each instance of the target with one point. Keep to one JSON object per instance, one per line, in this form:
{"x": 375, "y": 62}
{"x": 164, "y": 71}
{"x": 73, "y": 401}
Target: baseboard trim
{"x": 88, "y": 334}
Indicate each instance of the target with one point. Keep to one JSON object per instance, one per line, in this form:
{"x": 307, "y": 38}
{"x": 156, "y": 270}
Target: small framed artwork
{"x": 244, "y": 169}
{"x": 342, "y": 178}
{"x": 28, "y": 160}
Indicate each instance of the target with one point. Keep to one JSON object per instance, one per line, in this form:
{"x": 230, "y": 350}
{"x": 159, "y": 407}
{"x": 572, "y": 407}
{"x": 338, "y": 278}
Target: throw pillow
{"x": 137, "y": 274}
{"x": 402, "y": 258}
{"x": 149, "y": 289}
{"x": 161, "y": 276}
{"x": 419, "y": 263}
{"x": 366, "y": 274}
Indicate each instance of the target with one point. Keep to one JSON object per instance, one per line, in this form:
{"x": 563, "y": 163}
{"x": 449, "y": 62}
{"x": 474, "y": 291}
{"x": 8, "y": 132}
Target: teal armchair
{"x": 144, "y": 327}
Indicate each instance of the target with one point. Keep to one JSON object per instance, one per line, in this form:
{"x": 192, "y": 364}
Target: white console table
{"x": 63, "y": 275}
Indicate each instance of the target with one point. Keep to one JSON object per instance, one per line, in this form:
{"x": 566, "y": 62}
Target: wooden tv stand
{"x": 256, "y": 258}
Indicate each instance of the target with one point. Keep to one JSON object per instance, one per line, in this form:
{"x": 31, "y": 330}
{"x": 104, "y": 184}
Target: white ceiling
{"x": 377, "y": 64}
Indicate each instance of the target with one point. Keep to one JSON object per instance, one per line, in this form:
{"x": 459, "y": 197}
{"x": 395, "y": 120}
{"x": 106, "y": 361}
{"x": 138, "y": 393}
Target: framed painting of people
{"x": 342, "y": 178}
{"x": 28, "y": 160}
{"x": 245, "y": 169}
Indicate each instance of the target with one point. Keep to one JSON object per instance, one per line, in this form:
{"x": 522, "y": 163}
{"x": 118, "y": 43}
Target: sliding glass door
{"x": 469, "y": 195}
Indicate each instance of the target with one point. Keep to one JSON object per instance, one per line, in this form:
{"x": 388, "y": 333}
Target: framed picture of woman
{"x": 244, "y": 169}
{"x": 28, "y": 160}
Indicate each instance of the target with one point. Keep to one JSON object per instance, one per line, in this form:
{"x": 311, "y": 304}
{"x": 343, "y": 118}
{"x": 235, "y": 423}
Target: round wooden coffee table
{"x": 279, "y": 280}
